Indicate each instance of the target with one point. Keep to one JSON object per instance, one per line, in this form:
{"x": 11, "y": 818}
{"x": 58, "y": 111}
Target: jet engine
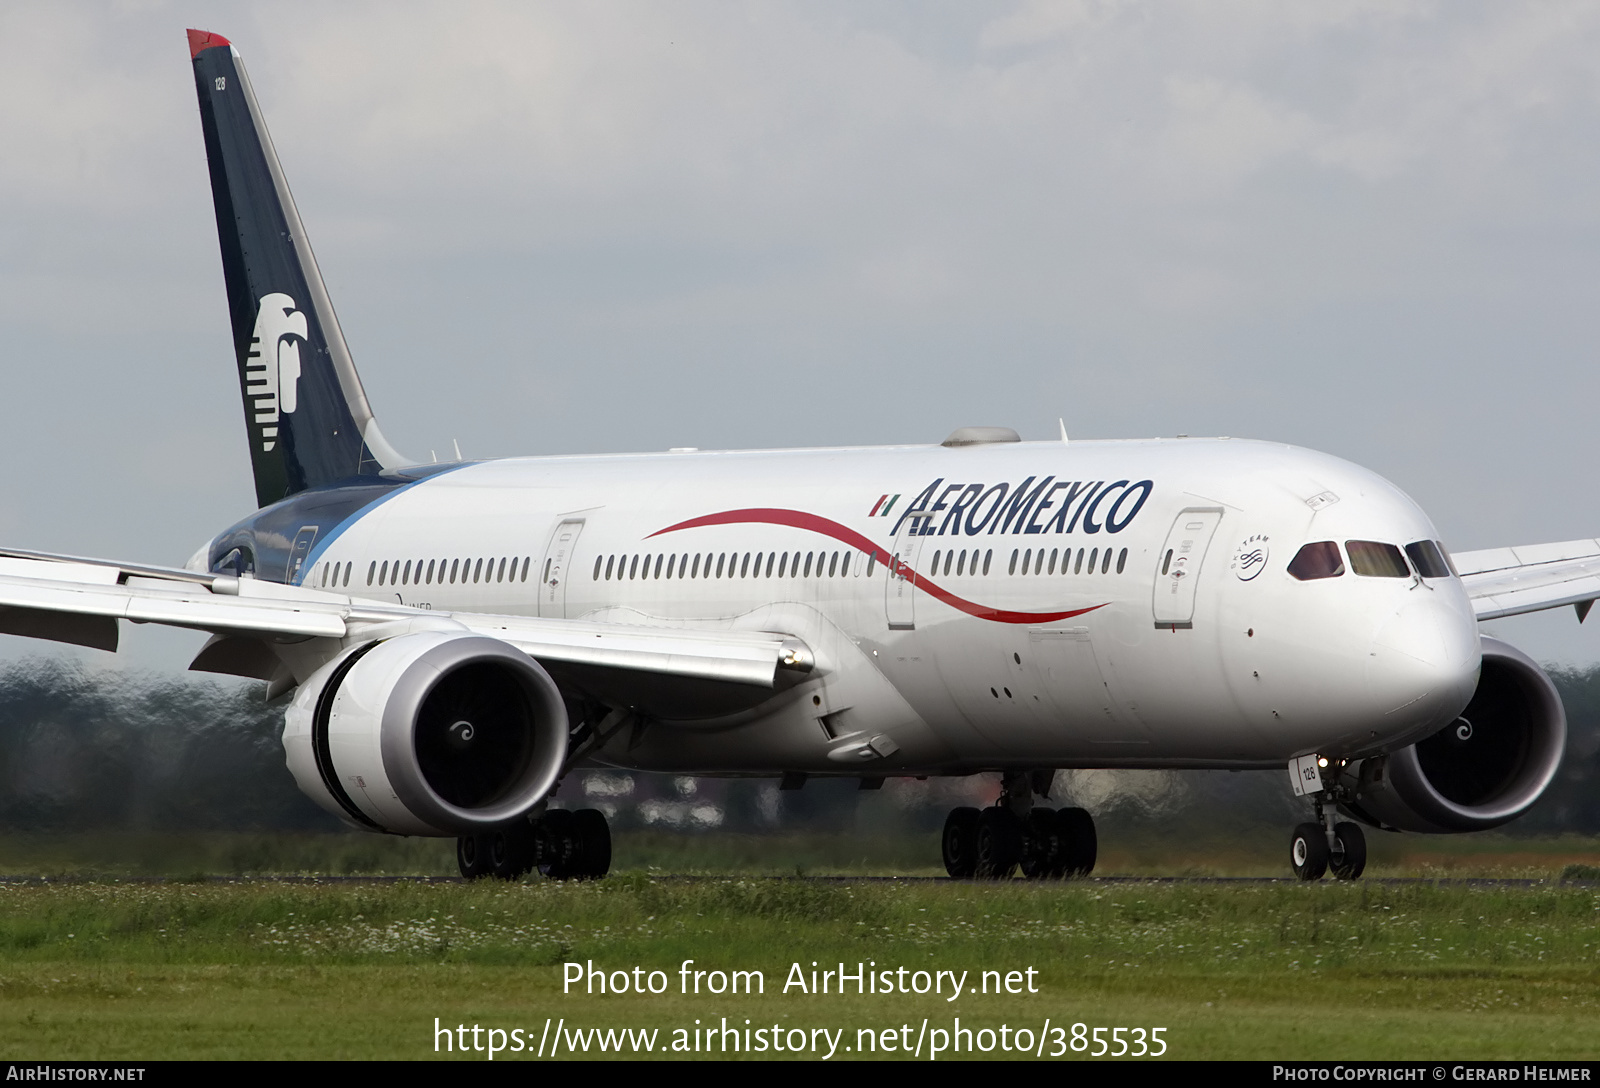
{"x": 429, "y": 733}
{"x": 1483, "y": 769}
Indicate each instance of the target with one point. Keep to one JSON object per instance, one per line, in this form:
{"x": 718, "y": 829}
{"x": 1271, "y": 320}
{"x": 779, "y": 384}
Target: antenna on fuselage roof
{"x": 1063, "y": 429}
{"x": 457, "y": 445}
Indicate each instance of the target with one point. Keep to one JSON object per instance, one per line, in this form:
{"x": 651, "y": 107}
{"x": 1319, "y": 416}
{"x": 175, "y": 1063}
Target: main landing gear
{"x": 1045, "y": 843}
{"x": 561, "y": 844}
{"x": 1316, "y": 848}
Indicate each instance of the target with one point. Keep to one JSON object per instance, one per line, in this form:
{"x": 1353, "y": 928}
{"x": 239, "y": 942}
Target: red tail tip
{"x": 201, "y": 40}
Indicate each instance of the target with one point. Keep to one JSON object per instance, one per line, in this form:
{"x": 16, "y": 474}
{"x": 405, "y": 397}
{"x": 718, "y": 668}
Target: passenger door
{"x": 1178, "y": 566}
{"x": 298, "y": 552}
{"x": 901, "y": 585}
{"x": 557, "y": 561}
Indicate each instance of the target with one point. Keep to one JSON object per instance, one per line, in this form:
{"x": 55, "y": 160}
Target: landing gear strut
{"x": 1045, "y": 843}
{"x": 562, "y": 845}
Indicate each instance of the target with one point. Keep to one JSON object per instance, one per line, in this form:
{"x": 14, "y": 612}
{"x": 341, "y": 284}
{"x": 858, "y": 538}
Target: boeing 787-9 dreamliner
{"x": 458, "y": 637}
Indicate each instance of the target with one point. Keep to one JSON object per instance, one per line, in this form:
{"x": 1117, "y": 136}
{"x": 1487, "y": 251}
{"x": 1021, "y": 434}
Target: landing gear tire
{"x": 559, "y": 845}
{"x": 472, "y": 856}
{"x": 1308, "y": 851}
{"x": 1044, "y": 853}
{"x": 999, "y": 843}
{"x": 513, "y": 849}
{"x": 959, "y": 843}
{"x": 1349, "y": 855}
{"x": 594, "y": 843}
{"x": 1080, "y": 844}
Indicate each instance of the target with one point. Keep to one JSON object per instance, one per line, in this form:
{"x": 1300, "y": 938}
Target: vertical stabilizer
{"x": 307, "y": 416}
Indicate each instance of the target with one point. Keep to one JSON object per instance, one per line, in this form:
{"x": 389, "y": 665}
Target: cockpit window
{"x": 1319, "y": 560}
{"x": 1375, "y": 559}
{"x": 1428, "y": 559}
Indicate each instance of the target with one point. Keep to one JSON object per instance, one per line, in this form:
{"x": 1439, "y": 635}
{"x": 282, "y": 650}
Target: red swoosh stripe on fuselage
{"x": 799, "y": 519}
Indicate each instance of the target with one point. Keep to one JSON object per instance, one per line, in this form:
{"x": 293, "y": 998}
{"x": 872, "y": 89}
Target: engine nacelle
{"x": 431, "y": 733}
{"x": 1483, "y": 769}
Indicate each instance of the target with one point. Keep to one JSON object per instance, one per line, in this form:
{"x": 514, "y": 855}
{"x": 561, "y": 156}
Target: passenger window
{"x": 428, "y": 578}
{"x": 1013, "y": 568}
{"x": 372, "y": 571}
{"x": 610, "y": 563}
{"x": 477, "y": 570}
{"x": 1105, "y": 562}
{"x": 1375, "y": 559}
{"x": 1166, "y": 560}
{"x": 1078, "y": 566}
{"x": 633, "y": 569}
{"x": 455, "y": 565}
{"x": 526, "y": 560}
{"x": 1319, "y": 560}
{"x": 1051, "y": 569}
{"x": 809, "y": 557}
{"x": 383, "y": 574}
{"x": 597, "y": 561}
{"x": 988, "y": 555}
{"x": 872, "y": 562}
{"x": 1122, "y": 560}
{"x": 1093, "y": 556}
{"x": 1428, "y": 559}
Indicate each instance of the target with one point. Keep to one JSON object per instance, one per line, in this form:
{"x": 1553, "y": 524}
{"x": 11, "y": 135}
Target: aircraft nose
{"x": 1423, "y": 666}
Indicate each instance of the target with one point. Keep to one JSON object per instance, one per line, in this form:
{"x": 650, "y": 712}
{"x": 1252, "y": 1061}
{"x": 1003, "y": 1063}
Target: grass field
{"x": 1143, "y": 851}
{"x": 102, "y": 968}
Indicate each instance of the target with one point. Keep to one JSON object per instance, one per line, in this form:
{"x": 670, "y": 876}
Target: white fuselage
{"x": 1129, "y": 606}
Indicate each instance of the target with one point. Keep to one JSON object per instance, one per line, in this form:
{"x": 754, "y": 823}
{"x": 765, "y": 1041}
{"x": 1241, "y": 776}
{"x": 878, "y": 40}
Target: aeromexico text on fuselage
{"x": 1028, "y": 508}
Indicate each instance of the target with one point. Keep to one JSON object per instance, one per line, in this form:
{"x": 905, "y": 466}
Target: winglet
{"x": 201, "y": 40}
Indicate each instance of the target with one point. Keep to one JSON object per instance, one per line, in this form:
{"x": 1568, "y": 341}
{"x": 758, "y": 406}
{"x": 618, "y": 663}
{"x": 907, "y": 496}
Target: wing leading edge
{"x": 1531, "y": 577}
{"x": 79, "y": 601}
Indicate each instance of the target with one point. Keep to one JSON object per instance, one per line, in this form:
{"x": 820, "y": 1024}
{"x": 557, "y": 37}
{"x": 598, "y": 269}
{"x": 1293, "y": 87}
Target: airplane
{"x": 456, "y": 638}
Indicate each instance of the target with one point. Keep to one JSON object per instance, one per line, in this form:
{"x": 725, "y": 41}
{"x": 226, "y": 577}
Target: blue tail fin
{"x": 308, "y": 419}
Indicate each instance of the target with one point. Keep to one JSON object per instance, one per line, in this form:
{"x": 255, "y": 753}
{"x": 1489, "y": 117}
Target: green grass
{"x": 264, "y": 969}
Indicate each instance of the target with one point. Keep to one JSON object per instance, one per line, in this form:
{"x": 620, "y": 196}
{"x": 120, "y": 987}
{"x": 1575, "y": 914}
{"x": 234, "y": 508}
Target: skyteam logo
{"x": 272, "y": 368}
{"x": 1250, "y": 557}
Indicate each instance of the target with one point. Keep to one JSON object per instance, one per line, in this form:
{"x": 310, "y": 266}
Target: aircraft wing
{"x": 1510, "y": 581}
{"x": 69, "y": 599}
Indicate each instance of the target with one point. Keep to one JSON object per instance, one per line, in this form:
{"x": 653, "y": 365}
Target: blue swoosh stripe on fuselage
{"x": 270, "y": 532}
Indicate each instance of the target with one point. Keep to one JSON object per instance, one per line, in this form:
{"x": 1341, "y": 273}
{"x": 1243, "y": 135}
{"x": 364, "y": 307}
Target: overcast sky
{"x": 1367, "y": 228}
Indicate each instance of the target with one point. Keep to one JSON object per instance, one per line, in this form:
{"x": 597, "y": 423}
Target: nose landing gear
{"x": 1316, "y": 848}
{"x": 1045, "y": 843}
{"x": 562, "y": 845}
